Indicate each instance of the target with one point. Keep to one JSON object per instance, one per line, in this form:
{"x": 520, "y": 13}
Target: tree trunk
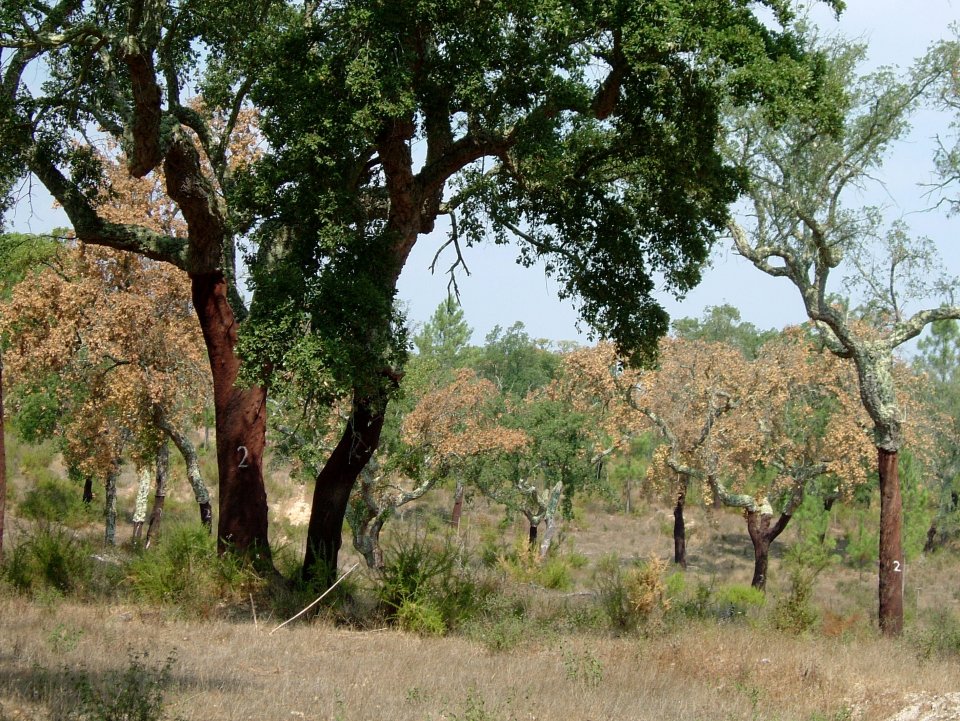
{"x": 140, "y": 504}
{"x": 88, "y": 489}
{"x": 332, "y": 490}
{"x": 240, "y": 425}
{"x": 160, "y": 495}
{"x": 3, "y": 463}
{"x": 192, "y": 461}
{"x": 891, "y": 546}
{"x": 762, "y": 535}
{"x": 457, "y": 505}
{"x": 680, "y": 528}
{"x": 532, "y": 530}
{"x": 110, "y": 504}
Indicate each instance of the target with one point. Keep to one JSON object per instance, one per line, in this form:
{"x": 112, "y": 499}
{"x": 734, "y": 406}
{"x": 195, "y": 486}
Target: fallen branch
{"x": 322, "y": 596}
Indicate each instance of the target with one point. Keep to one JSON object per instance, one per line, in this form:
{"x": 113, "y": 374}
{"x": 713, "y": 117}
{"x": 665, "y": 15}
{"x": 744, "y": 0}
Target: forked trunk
{"x": 3, "y": 464}
{"x": 457, "y": 505}
{"x": 891, "y": 546}
{"x": 680, "y": 528}
{"x": 332, "y": 490}
{"x": 240, "y": 425}
{"x": 762, "y": 534}
{"x": 160, "y": 495}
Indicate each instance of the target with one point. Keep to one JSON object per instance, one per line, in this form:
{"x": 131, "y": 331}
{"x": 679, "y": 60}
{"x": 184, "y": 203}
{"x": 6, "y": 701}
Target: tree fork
{"x": 240, "y": 420}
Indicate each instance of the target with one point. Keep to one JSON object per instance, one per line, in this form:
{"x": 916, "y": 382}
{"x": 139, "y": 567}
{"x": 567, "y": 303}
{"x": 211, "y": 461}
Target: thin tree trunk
{"x": 240, "y": 425}
{"x": 533, "y": 530}
{"x": 160, "y": 495}
{"x": 88, "y": 489}
{"x": 680, "y": 528}
{"x": 457, "y": 505}
{"x": 628, "y": 491}
{"x": 891, "y": 546}
{"x": 110, "y": 504}
{"x": 332, "y": 490}
{"x": 140, "y": 504}
{"x": 192, "y": 461}
{"x": 3, "y": 463}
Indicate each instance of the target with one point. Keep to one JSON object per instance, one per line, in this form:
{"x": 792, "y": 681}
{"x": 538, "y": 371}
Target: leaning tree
{"x": 801, "y": 229}
{"x": 587, "y": 133}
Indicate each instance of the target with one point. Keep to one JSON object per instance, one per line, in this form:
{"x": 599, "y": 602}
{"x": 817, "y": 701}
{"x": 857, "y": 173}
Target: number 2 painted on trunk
{"x": 896, "y": 566}
{"x": 243, "y": 461}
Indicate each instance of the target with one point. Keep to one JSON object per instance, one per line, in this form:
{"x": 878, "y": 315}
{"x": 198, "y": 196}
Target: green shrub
{"x": 794, "y": 612}
{"x": 49, "y": 557}
{"x": 737, "y": 601}
{"x": 631, "y": 597}
{"x": 420, "y": 617}
{"x": 427, "y": 574}
{"x": 183, "y": 569}
{"x": 55, "y": 500}
{"x": 136, "y": 694}
{"x": 941, "y": 638}
{"x": 555, "y": 573}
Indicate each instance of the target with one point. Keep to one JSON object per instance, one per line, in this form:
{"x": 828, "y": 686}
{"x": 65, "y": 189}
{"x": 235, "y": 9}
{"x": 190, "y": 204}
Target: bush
{"x": 794, "y": 612}
{"x": 941, "y": 639}
{"x": 183, "y": 569}
{"x": 631, "y": 597}
{"x": 56, "y": 501}
{"x": 49, "y": 557}
{"x": 423, "y": 578}
{"x": 136, "y": 694}
{"x": 736, "y": 601}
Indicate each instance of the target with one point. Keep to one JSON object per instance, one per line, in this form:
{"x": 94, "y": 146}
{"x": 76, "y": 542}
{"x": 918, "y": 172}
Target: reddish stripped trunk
{"x": 240, "y": 425}
{"x": 680, "y": 529}
{"x": 88, "y": 489}
{"x": 332, "y": 491}
{"x": 891, "y": 547}
{"x": 3, "y": 464}
{"x": 457, "y": 505}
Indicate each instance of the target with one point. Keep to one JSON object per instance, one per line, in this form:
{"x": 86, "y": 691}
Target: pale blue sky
{"x": 498, "y": 291}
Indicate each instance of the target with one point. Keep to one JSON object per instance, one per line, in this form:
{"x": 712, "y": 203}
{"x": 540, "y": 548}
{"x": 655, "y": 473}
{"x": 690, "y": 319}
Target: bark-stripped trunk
{"x": 533, "y": 530}
{"x": 192, "y": 461}
{"x": 680, "y": 527}
{"x": 160, "y": 495}
{"x": 762, "y": 534}
{"x": 457, "y": 505}
{"x": 891, "y": 546}
{"x": 110, "y": 504}
{"x": 240, "y": 426}
{"x": 140, "y": 504}
{"x": 3, "y": 464}
{"x": 332, "y": 490}
{"x": 88, "y": 489}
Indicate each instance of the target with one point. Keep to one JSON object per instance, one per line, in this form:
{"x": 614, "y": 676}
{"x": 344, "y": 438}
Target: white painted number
{"x": 896, "y": 566}
{"x": 243, "y": 461}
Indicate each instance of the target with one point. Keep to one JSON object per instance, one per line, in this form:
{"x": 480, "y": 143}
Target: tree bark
{"x": 192, "y": 461}
{"x": 680, "y": 528}
{"x": 891, "y": 546}
{"x": 160, "y": 495}
{"x": 110, "y": 504}
{"x": 88, "y": 489}
{"x": 532, "y": 530}
{"x": 140, "y": 504}
{"x": 762, "y": 534}
{"x": 3, "y": 463}
{"x": 457, "y": 505}
{"x": 332, "y": 490}
{"x": 240, "y": 425}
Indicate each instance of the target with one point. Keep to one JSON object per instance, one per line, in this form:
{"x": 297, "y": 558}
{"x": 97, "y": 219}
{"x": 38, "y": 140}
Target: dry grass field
{"x": 557, "y": 659}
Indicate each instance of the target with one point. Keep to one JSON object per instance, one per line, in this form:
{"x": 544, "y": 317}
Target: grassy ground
{"x": 199, "y": 642}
